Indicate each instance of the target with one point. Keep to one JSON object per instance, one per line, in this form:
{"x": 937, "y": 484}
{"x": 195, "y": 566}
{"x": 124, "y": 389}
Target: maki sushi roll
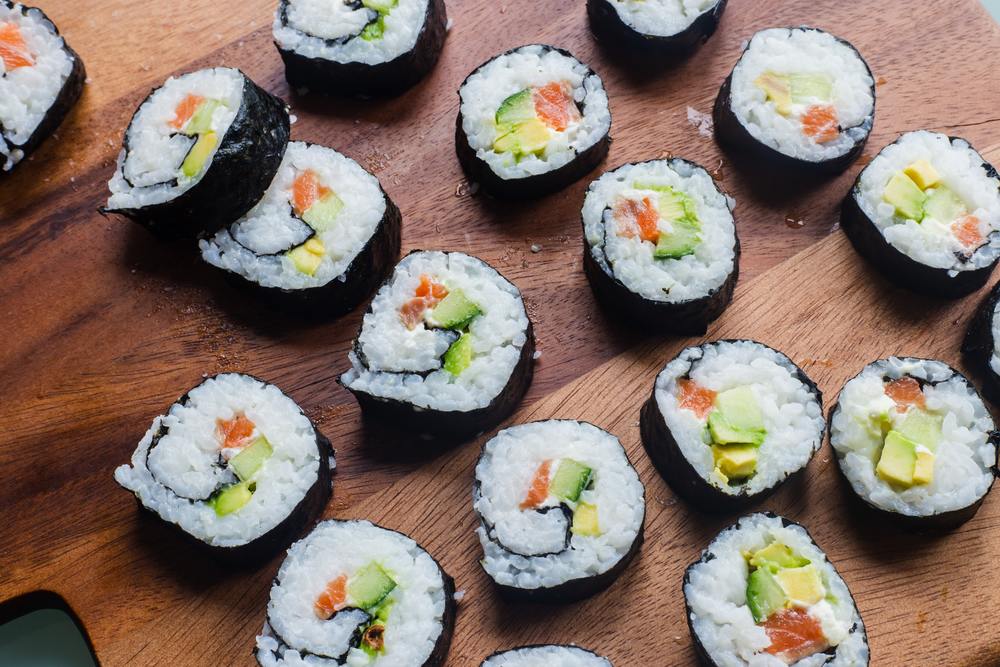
{"x": 729, "y": 421}
{"x": 660, "y": 245}
{"x": 199, "y": 152}
{"x": 764, "y": 594}
{"x": 798, "y": 99}
{"x": 354, "y": 593}
{"x": 319, "y": 241}
{"x": 550, "y": 655}
{"x": 369, "y": 47}
{"x": 980, "y": 348}
{"x": 235, "y": 465}
{"x": 532, "y": 121}
{"x": 560, "y": 509}
{"x": 41, "y": 78}
{"x": 445, "y": 349}
{"x": 664, "y": 29}
{"x": 926, "y": 213}
{"x": 915, "y": 442}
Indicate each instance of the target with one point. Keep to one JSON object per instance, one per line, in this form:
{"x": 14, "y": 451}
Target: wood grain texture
{"x": 103, "y": 327}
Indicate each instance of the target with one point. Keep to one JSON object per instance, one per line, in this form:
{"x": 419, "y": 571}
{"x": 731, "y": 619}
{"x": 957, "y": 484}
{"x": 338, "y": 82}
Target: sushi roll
{"x": 324, "y": 235}
{"x": 660, "y": 245}
{"x": 445, "y": 349}
{"x": 561, "y": 510}
{"x": 531, "y": 121}
{"x": 354, "y": 593}
{"x": 926, "y": 213}
{"x": 799, "y": 99}
{"x": 234, "y": 465}
{"x": 915, "y": 442}
{"x": 980, "y": 347}
{"x": 658, "y": 29}
{"x": 359, "y": 47}
{"x": 550, "y": 655}
{"x": 200, "y": 151}
{"x": 763, "y": 594}
{"x": 730, "y": 421}
{"x": 41, "y": 78}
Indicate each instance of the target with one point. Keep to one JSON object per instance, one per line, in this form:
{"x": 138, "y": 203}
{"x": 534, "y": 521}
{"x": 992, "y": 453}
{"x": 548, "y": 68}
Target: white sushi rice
{"x": 27, "y": 93}
{"x": 793, "y": 417}
{"x": 546, "y": 656}
{"x": 995, "y": 332}
{"x": 185, "y": 459}
{"x": 335, "y": 548}
{"x": 631, "y": 260}
{"x": 802, "y": 51}
{"x": 716, "y": 592}
{"x": 311, "y": 23}
{"x": 504, "y": 475}
{"x": 931, "y": 241}
{"x": 395, "y": 354}
{"x": 964, "y": 456}
{"x": 662, "y": 18}
{"x": 246, "y": 247}
{"x": 527, "y": 67}
{"x": 154, "y": 152}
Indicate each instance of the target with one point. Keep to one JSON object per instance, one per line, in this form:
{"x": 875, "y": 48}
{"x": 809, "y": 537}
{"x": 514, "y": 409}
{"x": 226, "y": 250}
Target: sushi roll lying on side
{"x": 41, "y": 78}
{"x": 665, "y": 29}
{"x": 980, "y": 347}
{"x": 354, "y": 593}
{"x": 926, "y": 213}
{"x": 915, "y": 442}
{"x": 367, "y": 47}
{"x": 763, "y": 594}
{"x": 445, "y": 349}
{"x": 532, "y": 121}
{"x": 200, "y": 151}
{"x": 560, "y": 509}
{"x": 324, "y": 235}
{"x": 660, "y": 245}
{"x": 550, "y": 655}
{"x": 799, "y": 99}
{"x": 730, "y": 421}
{"x": 235, "y": 465}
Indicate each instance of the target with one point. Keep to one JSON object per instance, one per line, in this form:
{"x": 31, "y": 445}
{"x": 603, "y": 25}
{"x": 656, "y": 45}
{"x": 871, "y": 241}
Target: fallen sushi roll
{"x": 730, "y": 421}
{"x": 915, "y": 442}
{"x": 980, "y": 348}
{"x": 235, "y": 465}
{"x": 445, "y": 349}
{"x": 532, "y": 121}
{"x": 798, "y": 99}
{"x": 764, "y": 594}
{"x": 660, "y": 245}
{"x": 369, "y": 47}
{"x": 664, "y": 29}
{"x": 926, "y": 213}
{"x": 200, "y": 151}
{"x": 354, "y": 593}
{"x": 324, "y": 235}
{"x": 560, "y": 509}
{"x": 550, "y": 655}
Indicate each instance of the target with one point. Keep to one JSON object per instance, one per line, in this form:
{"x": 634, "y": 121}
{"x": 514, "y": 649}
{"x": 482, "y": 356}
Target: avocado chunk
{"x": 201, "y": 121}
{"x": 323, "y": 213}
{"x": 459, "y": 355}
{"x": 802, "y": 585}
{"x": 680, "y": 241}
{"x": 922, "y": 427}
{"x": 923, "y": 468}
{"x": 776, "y": 556}
{"x": 737, "y": 418}
{"x": 899, "y": 456}
{"x": 904, "y": 194}
{"x": 777, "y": 88}
{"x": 374, "y": 30}
{"x": 248, "y": 462}
{"x": 308, "y": 256}
{"x": 199, "y": 154}
{"x": 923, "y": 174}
{"x": 585, "y": 521}
{"x": 369, "y": 586}
{"x": 944, "y": 205}
{"x": 814, "y": 87}
{"x": 454, "y": 311}
{"x": 735, "y": 461}
{"x": 381, "y": 6}
{"x": 516, "y": 109}
{"x": 232, "y": 498}
{"x": 570, "y": 480}
{"x": 531, "y": 136}
{"x": 764, "y": 594}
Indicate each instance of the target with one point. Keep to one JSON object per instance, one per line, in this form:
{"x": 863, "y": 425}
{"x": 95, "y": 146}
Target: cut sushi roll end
{"x": 980, "y": 349}
{"x": 661, "y": 30}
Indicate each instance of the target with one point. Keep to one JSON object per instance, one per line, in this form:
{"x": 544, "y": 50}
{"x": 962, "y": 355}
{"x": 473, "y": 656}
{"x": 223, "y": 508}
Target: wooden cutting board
{"x": 103, "y": 327}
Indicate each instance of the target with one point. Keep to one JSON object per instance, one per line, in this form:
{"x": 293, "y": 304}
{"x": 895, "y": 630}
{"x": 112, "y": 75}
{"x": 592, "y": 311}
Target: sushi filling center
{"x": 338, "y": 21}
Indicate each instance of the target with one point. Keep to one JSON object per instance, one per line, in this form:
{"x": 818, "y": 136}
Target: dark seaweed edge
{"x": 613, "y": 32}
{"x": 529, "y": 187}
{"x": 898, "y": 267}
{"x": 731, "y": 133}
{"x": 707, "y": 554}
{"x": 687, "y": 318}
{"x": 979, "y": 345}
{"x": 663, "y": 450}
{"x": 515, "y": 649}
